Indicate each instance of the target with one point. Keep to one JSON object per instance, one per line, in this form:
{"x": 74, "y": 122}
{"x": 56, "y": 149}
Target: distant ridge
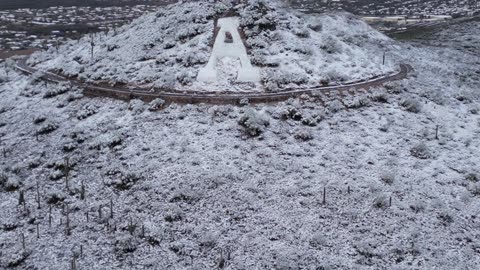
{"x": 15, "y": 4}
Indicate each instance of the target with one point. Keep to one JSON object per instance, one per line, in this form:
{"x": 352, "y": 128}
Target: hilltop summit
{"x": 166, "y": 49}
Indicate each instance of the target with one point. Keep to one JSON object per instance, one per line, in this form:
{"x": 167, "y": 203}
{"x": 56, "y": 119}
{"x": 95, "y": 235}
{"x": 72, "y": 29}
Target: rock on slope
{"x": 166, "y": 49}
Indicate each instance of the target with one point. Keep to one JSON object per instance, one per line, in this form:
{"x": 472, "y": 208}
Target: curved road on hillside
{"x": 213, "y": 97}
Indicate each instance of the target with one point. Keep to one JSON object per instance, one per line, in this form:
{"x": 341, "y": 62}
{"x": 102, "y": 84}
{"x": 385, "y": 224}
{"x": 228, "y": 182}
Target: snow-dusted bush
{"x": 304, "y": 135}
{"x": 12, "y": 184}
{"x": 156, "y": 104}
{"x": 301, "y": 32}
{"x": 38, "y": 119}
{"x": 126, "y": 243}
{"x": 474, "y": 109}
{"x": 417, "y": 206}
{"x": 57, "y": 89}
{"x": 291, "y": 113}
{"x": 385, "y": 125}
{"x": 71, "y": 97}
{"x": 258, "y": 16}
{"x": 411, "y": 105}
{"x": 36, "y": 77}
{"x": 154, "y": 233}
{"x": 47, "y": 128}
{"x": 9, "y": 224}
{"x": 15, "y": 258}
{"x": 334, "y": 75}
{"x": 393, "y": 87}
{"x": 194, "y": 59}
{"x": 254, "y": 122}
{"x": 318, "y": 240}
{"x": 379, "y": 96}
{"x": 112, "y": 47}
{"x": 366, "y": 249}
{"x": 244, "y": 102}
{"x": 30, "y": 90}
{"x": 87, "y": 111}
{"x": 466, "y": 96}
{"x": 137, "y": 106}
{"x": 9, "y": 183}
{"x": 3, "y": 179}
{"x": 420, "y": 151}
{"x": 122, "y": 180}
{"x": 475, "y": 188}
{"x": 315, "y": 25}
{"x": 436, "y": 96}
{"x": 173, "y": 213}
{"x": 69, "y": 146}
{"x": 185, "y": 77}
{"x": 445, "y": 216}
{"x": 381, "y": 201}
{"x": 209, "y": 239}
{"x": 387, "y": 177}
{"x": 335, "y": 106}
{"x": 472, "y": 177}
{"x": 331, "y": 45}
{"x": 355, "y": 102}
{"x": 287, "y": 259}
{"x": 55, "y": 196}
{"x": 312, "y": 120}
{"x": 110, "y": 140}
{"x": 303, "y": 49}
{"x": 281, "y": 78}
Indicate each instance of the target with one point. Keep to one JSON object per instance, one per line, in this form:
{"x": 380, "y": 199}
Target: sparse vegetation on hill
{"x": 367, "y": 180}
{"x": 165, "y": 50}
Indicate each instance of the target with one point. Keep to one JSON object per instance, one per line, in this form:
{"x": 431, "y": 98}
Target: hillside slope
{"x": 190, "y": 188}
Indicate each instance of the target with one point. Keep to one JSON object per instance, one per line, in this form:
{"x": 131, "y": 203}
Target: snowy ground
{"x": 189, "y": 185}
{"x": 165, "y": 50}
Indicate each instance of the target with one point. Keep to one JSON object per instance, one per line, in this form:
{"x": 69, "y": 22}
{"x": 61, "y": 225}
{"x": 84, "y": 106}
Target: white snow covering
{"x": 191, "y": 189}
{"x": 167, "y": 49}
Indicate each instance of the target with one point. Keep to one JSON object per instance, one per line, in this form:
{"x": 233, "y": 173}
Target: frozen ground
{"x": 191, "y": 189}
{"x": 167, "y": 50}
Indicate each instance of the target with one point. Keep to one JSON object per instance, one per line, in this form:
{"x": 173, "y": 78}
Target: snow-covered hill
{"x": 190, "y": 188}
{"x": 166, "y": 49}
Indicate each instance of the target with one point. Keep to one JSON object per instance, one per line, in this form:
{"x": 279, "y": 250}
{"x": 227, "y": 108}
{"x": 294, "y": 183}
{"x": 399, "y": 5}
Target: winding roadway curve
{"x": 213, "y": 97}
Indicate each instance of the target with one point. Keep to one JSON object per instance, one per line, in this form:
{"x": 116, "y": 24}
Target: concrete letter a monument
{"x": 229, "y": 44}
